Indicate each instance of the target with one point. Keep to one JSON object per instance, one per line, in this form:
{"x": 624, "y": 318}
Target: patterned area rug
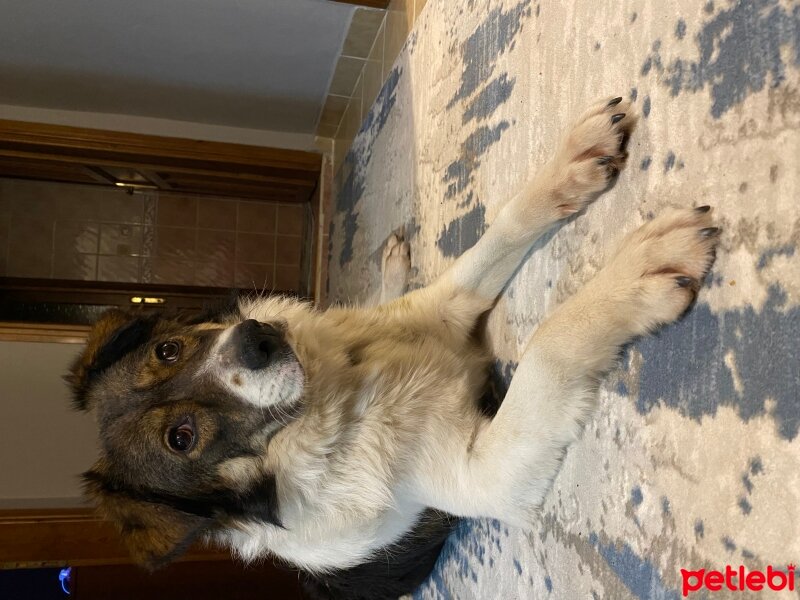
{"x": 692, "y": 459}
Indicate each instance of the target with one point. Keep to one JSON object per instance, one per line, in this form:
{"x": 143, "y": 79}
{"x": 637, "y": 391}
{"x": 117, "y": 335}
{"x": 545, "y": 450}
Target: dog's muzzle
{"x": 258, "y": 344}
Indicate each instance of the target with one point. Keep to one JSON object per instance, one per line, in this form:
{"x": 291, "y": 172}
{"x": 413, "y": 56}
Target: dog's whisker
{"x": 264, "y": 287}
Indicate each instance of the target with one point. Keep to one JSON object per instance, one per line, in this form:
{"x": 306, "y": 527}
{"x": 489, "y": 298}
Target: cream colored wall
{"x": 44, "y": 444}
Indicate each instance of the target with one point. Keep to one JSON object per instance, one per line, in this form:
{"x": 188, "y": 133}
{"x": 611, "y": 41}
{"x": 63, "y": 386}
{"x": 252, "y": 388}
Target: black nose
{"x": 258, "y": 343}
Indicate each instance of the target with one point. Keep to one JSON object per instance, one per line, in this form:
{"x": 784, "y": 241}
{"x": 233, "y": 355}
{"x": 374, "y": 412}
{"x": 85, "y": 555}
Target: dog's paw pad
{"x": 663, "y": 263}
{"x": 593, "y": 152}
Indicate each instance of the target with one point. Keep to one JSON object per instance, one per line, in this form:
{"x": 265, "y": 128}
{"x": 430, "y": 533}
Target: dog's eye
{"x": 168, "y": 351}
{"x": 181, "y": 438}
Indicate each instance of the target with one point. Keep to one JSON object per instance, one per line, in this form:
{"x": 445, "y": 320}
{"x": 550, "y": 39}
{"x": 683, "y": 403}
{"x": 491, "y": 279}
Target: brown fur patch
{"x": 154, "y": 534}
{"x": 111, "y": 326}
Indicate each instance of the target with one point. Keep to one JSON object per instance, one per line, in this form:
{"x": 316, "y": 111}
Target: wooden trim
{"x": 9, "y": 284}
{"x": 18, "y": 293}
{"x": 207, "y": 580}
{"x": 79, "y": 155}
{"x": 32, "y": 538}
{"x": 106, "y": 293}
{"x": 39, "y": 332}
{"x": 368, "y": 3}
{"x": 71, "y": 140}
{"x": 151, "y": 163}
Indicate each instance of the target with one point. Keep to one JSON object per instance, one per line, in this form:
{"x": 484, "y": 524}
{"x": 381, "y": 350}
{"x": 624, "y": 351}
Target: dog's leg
{"x": 590, "y": 155}
{"x": 396, "y": 266}
{"x": 395, "y": 270}
{"x": 506, "y": 468}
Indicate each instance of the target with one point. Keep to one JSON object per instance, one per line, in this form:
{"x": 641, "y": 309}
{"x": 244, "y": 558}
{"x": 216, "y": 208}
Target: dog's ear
{"x": 154, "y": 533}
{"x": 114, "y": 335}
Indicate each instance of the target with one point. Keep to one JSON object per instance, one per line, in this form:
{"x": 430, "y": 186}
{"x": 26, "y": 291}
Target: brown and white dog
{"x": 336, "y": 440}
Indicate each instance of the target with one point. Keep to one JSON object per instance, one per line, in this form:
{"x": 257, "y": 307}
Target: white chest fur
{"x": 318, "y": 546}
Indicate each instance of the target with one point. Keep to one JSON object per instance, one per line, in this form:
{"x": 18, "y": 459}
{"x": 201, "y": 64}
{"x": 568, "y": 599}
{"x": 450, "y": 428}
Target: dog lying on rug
{"x": 339, "y": 441}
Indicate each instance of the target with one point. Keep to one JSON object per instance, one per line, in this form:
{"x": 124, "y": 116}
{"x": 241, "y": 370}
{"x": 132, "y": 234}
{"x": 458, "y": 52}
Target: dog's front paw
{"x": 396, "y": 266}
{"x": 659, "y": 268}
{"x": 592, "y": 153}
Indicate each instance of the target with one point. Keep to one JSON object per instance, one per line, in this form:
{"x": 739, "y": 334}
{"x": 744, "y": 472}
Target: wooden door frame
{"x": 53, "y": 333}
{"x": 56, "y": 537}
{"x": 92, "y": 156}
{"x": 21, "y": 291}
{"x": 108, "y": 293}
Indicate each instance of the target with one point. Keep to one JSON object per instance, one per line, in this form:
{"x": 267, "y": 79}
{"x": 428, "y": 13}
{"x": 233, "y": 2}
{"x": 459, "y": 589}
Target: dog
{"x": 344, "y": 441}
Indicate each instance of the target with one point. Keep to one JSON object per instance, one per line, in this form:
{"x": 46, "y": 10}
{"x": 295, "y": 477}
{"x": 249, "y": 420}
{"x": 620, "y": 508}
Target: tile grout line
{"x": 363, "y": 68}
{"x": 384, "y": 24}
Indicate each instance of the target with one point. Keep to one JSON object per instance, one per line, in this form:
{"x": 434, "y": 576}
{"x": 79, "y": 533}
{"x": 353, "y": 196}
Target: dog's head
{"x": 186, "y": 407}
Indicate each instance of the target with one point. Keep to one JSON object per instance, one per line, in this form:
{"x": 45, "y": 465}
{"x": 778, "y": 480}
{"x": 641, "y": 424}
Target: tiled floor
{"x": 372, "y": 44}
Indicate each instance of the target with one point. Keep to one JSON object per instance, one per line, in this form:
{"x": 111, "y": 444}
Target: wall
{"x": 692, "y": 459}
{"x": 44, "y": 444}
{"x": 66, "y": 231}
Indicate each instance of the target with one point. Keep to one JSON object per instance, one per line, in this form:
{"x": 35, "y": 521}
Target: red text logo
{"x": 738, "y": 580}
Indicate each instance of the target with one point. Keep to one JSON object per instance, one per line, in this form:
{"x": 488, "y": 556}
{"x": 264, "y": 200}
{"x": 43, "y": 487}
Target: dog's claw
{"x": 617, "y": 118}
{"x": 615, "y": 101}
{"x": 604, "y": 160}
{"x": 683, "y": 281}
{"x": 703, "y": 209}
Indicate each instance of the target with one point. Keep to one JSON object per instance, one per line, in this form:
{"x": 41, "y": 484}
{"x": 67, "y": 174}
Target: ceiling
{"x": 260, "y": 64}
